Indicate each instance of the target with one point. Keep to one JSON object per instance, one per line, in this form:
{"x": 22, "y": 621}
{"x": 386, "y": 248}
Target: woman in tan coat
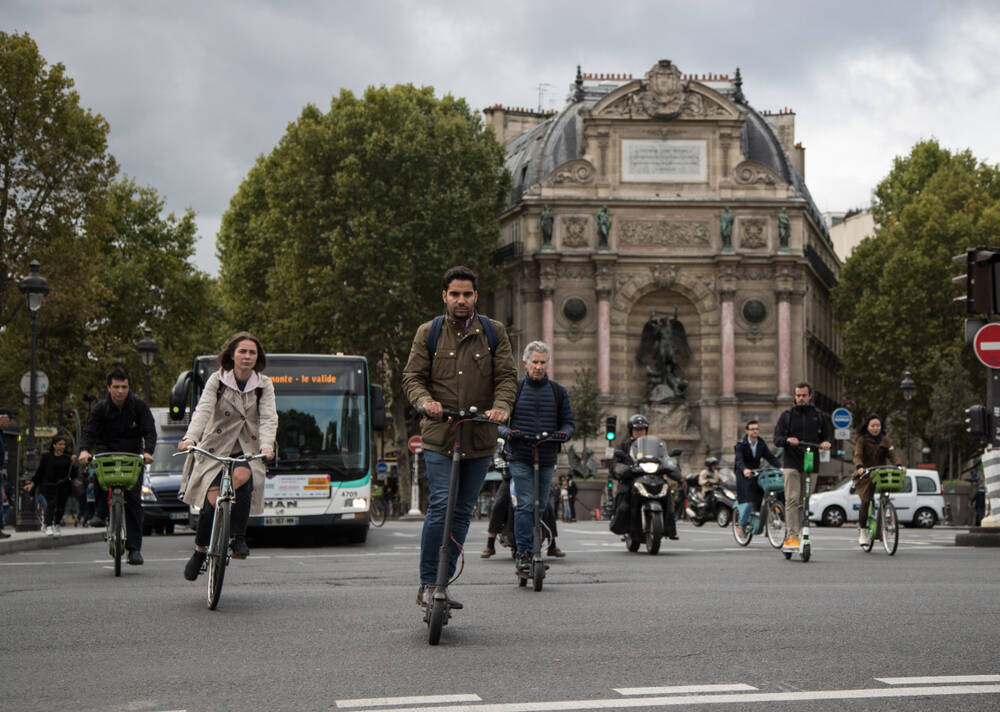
{"x": 235, "y": 415}
{"x": 871, "y": 449}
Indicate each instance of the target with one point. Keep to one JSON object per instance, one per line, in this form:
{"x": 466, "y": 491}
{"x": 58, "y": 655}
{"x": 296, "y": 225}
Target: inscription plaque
{"x": 664, "y": 161}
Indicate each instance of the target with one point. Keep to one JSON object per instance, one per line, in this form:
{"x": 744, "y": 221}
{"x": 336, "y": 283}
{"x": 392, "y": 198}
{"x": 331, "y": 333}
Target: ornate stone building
{"x": 665, "y": 218}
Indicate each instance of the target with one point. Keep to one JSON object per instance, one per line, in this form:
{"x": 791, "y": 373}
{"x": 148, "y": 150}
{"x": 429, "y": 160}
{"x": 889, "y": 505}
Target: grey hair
{"x": 536, "y": 346}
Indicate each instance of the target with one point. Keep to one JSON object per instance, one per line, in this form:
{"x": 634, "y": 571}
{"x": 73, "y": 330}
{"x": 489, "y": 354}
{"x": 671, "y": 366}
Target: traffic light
{"x": 981, "y": 281}
{"x": 977, "y": 421}
{"x": 610, "y": 426}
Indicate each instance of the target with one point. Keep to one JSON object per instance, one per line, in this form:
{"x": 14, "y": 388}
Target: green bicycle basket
{"x": 887, "y": 479}
{"x": 771, "y": 480}
{"x": 117, "y": 469}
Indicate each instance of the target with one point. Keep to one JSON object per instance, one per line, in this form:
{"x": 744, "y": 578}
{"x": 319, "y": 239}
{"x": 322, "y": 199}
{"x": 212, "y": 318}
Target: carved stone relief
{"x": 753, "y": 233}
{"x": 574, "y": 231}
{"x": 578, "y": 172}
{"x": 664, "y": 233}
{"x": 753, "y": 173}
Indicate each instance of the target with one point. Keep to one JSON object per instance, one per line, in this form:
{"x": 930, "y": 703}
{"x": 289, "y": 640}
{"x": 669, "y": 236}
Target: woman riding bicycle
{"x": 235, "y": 415}
{"x": 872, "y": 449}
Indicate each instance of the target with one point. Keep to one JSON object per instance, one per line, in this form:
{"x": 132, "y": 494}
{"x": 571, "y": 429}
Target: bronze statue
{"x": 784, "y": 228}
{"x": 726, "y": 228}
{"x": 603, "y": 228}
{"x": 545, "y": 223}
{"x": 661, "y": 347}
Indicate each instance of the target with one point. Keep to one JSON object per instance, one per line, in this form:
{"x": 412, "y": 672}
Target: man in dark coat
{"x": 749, "y": 453}
{"x": 120, "y": 423}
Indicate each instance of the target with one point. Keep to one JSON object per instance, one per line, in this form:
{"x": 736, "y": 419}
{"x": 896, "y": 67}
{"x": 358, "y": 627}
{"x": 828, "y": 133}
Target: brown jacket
{"x": 868, "y": 453}
{"x": 463, "y": 376}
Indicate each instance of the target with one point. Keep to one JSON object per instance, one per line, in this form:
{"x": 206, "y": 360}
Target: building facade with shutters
{"x": 659, "y": 232}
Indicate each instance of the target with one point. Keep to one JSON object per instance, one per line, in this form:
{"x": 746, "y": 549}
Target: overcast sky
{"x": 195, "y": 91}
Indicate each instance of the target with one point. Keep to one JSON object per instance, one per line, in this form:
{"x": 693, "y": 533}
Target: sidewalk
{"x": 26, "y": 541}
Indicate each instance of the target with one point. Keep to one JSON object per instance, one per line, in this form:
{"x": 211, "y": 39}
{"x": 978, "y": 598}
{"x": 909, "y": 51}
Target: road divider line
{"x": 365, "y": 702}
{"x": 733, "y": 698}
{"x": 938, "y": 679}
{"x": 680, "y": 689}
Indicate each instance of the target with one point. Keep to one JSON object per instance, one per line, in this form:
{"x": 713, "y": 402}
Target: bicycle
{"x": 117, "y": 472}
{"x": 772, "y": 524}
{"x": 376, "y": 516}
{"x": 886, "y": 524}
{"x": 437, "y": 611}
{"x": 217, "y": 556}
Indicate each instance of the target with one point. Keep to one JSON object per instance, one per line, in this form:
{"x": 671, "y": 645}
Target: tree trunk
{"x": 401, "y": 434}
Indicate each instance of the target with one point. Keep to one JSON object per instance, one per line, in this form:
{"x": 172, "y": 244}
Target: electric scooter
{"x": 537, "y": 566}
{"x": 437, "y": 611}
{"x": 808, "y": 467}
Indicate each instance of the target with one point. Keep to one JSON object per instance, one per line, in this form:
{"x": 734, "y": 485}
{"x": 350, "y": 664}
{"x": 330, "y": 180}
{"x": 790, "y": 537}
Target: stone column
{"x": 727, "y": 294}
{"x": 547, "y": 288}
{"x": 784, "y": 295}
{"x": 604, "y": 340}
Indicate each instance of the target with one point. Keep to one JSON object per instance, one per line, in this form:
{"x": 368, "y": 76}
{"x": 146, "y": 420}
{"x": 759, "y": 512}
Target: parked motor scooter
{"x": 643, "y": 512}
{"x": 718, "y": 505}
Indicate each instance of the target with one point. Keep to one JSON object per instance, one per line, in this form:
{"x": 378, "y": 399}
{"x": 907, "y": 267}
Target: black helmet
{"x": 711, "y": 462}
{"x": 637, "y": 421}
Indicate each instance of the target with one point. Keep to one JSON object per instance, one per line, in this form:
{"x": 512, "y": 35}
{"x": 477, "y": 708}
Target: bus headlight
{"x": 358, "y": 503}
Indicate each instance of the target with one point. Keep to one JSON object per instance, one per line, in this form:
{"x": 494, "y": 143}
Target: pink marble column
{"x": 547, "y": 329}
{"x": 784, "y": 343}
{"x": 728, "y": 344}
{"x": 603, "y": 341}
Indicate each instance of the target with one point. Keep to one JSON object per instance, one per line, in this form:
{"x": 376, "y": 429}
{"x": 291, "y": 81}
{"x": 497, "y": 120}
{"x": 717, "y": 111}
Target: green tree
{"x": 894, "y": 300}
{"x": 587, "y": 415}
{"x": 337, "y": 240}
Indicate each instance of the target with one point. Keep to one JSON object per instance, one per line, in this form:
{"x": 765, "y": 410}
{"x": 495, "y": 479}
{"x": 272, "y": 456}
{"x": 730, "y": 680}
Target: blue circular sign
{"x": 841, "y": 418}
{"x": 382, "y": 468}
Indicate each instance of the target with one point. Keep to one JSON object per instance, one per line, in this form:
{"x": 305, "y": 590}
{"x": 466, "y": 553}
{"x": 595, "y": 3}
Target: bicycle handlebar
{"x": 472, "y": 414}
{"x": 223, "y": 460}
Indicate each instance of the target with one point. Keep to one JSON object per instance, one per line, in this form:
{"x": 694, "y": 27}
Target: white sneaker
{"x": 48, "y": 530}
{"x": 863, "y": 539}
{"x": 57, "y": 530}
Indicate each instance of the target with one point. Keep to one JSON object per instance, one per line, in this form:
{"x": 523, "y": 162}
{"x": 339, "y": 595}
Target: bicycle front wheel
{"x": 377, "y": 514}
{"x": 774, "y": 524}
{"x": 890, "y": 528}
{"x": 117, "y": 523}
{"x": 742, "y": 534}
{"x": 218, "y": 553}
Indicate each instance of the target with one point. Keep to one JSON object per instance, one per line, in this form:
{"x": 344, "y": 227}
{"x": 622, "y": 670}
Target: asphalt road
{"x": 335, "y": 627}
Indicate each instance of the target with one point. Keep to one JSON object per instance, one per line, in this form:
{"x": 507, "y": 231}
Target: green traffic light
{"x": 610, "y": 436}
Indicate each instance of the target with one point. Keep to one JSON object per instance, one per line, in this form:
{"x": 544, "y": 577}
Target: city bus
{"x": 327, "y": 406}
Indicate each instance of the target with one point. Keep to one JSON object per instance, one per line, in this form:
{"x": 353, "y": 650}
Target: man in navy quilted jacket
{"x": 542, "y": 406}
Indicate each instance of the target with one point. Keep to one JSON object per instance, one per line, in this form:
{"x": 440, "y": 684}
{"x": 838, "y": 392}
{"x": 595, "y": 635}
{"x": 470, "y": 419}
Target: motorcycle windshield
{"x": 649, "y": 449}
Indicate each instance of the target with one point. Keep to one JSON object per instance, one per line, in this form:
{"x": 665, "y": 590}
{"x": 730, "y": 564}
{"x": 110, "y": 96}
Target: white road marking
{"x": 938, "y": 680}
{"x": 678, "y": 689}
{"x": 390, "y": 701}
{"x": 409, "y": 536}
{"x": 736, "y": 698}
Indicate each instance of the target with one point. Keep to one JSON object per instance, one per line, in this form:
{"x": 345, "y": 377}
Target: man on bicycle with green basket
{"x": 801, "y": 422}
{"x": 121, "y": 422}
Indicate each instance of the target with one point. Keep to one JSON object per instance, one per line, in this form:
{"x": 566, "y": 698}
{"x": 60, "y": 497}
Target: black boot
{"x": 241, "y": 515}
{"x": 193, "y": 567}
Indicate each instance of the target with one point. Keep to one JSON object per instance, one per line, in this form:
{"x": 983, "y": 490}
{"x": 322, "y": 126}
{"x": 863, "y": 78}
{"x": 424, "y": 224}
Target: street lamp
{"x": 147, "y": 347}
{"x": 908, "y": 387}
{"x": 34, "y": 287}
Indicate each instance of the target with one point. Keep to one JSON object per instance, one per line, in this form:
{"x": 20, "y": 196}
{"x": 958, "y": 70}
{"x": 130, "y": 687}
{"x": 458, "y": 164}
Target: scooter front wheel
{"x": 435, "y": 621}
{"x": 537, "y": 575}
{"x": 806, "y": 552}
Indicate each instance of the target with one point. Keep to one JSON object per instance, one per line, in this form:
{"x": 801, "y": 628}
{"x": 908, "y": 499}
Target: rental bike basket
{"x": 887, "y": 479}
{"x": 117, "y": 469}
{"x": 771, "y": 480}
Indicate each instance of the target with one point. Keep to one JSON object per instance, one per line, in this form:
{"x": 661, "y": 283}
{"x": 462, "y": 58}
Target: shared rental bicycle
{"x": 882, "y": 520}
{"x": 376, "y": 515}
{"x": 217, "y": 556}
{"x": 117, "y": 472}
{"x": 437, "y": 611}
{"x": 771, "y": 518}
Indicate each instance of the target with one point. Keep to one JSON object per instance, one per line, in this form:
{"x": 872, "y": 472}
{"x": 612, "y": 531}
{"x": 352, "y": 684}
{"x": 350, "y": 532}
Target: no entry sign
{"x": 987, "y": 345}
{"x": 415, "y": 444}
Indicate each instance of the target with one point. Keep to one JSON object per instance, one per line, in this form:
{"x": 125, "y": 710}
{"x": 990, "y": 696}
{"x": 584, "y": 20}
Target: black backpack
{"x": 435, "y": 333}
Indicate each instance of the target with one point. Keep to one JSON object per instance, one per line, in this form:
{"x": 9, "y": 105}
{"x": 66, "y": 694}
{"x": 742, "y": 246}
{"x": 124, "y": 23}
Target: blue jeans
{"x": 523, "y": 478}
{"x": 471, "y": 473}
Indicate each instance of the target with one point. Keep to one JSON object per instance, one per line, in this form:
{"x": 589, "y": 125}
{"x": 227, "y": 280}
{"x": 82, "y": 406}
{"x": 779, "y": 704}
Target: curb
{"x": 33, "y": 542}
{"x": 979, "y": 536}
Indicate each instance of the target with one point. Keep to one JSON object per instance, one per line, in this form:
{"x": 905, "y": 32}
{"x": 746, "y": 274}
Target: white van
{"x": 920, "y": 503}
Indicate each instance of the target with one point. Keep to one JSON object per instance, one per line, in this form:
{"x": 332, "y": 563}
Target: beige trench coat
{"x": 217, "y": 424}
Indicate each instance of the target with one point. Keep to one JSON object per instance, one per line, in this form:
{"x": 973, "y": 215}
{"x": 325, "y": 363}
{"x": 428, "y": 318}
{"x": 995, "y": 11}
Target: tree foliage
{"x": 337, "y": 240}
{"x": 584, "y": 396}
{"x": 114, "y": 263}
{"x": 894, "y": 300}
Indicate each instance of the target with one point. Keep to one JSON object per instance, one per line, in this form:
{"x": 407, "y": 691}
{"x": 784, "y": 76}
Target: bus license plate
{"x": 280, "y": 521}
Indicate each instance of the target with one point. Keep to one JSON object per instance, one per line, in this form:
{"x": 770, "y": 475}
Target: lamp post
{"x": 908, "y": 387}
{"x": 147, "y": 346}
{"x": 34, "y": 287}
